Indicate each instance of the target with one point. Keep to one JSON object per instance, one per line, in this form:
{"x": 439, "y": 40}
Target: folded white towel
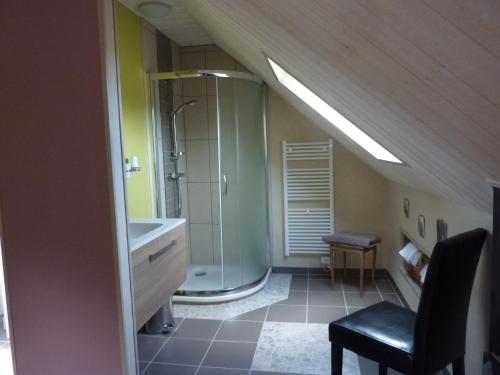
{"x": 415, "y": 259}
{"x": 423, "y": 273}
{"x": 411, "y": 254}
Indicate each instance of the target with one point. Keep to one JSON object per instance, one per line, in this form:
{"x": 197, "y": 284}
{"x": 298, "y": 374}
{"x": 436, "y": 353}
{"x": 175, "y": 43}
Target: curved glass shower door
{"x": 242, "y": 181}
{"x": 211, "y": 168}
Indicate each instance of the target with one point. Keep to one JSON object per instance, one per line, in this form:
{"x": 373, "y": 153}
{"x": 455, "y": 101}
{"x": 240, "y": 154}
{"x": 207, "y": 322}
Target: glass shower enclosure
{"x": 212, "y": 169}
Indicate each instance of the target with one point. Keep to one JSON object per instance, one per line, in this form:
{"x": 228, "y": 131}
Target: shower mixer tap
{"x": 175, "y": 176}
{"x": 176, "y": 156}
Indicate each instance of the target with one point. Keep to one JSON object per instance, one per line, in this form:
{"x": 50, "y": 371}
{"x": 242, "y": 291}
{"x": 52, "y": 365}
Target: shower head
{"x": 183, "y": 106}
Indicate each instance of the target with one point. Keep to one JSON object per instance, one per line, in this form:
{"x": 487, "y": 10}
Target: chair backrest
{"x": 440, "y": 327}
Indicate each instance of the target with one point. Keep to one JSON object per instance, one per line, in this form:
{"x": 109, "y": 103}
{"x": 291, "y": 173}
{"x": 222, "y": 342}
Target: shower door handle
{"x": 224, "y": 193}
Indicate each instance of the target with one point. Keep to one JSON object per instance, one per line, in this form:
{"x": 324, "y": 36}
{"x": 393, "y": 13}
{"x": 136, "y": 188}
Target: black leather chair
{"x": 425, "y": 342}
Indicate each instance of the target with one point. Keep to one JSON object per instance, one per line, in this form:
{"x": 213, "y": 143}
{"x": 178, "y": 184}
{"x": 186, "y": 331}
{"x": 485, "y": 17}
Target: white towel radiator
{"x": 307, "y": 196}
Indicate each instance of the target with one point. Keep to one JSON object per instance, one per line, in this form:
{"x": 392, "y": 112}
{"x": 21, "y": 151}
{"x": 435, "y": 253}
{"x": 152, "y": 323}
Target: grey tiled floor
{"x": 227, "y": 347}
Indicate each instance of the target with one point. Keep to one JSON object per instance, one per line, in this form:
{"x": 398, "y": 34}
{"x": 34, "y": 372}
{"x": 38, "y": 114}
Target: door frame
{"x": 110, "y": 70}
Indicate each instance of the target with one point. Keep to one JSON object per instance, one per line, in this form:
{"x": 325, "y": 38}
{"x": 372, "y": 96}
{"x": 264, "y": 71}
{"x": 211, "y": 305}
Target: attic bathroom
{"x": 250, "y": 187}
{"x": 231, "y": 187}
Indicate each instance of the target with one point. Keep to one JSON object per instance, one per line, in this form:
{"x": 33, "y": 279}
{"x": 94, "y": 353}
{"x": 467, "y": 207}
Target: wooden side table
{"x": 361, "y": 251}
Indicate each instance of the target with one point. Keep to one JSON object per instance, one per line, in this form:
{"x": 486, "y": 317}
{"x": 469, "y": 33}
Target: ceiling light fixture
{"x": 331, "y": 115}
{"x": 154, "y": 9}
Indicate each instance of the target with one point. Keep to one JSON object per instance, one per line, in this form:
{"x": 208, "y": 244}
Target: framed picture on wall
{"x": 441, "y": 229}
{"x": 421, "y": 225}
{"x": 406, "y": 207}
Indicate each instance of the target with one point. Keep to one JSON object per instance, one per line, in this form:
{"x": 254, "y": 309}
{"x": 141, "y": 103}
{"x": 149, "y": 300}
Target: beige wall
{"x": 459, "y": 218}
{"x": 366, "y": 201}
{"x": 361, "y": 194}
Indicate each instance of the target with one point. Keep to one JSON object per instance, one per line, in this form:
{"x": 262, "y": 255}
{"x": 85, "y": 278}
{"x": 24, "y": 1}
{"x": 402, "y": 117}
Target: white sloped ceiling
{"x": 178, "y": 25}
{"x": 421, "y": 77}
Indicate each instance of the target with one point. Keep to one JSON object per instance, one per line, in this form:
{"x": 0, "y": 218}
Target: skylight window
{"x": 331, "y": 115}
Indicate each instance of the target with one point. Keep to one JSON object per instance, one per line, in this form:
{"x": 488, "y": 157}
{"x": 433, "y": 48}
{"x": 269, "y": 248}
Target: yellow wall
{"x": 134, "y": 115}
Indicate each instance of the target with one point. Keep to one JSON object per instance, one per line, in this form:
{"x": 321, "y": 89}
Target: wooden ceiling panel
{"x": 439, "y": 38}
{"x": 408, "y": 77}
{"x": 478, "y": 19}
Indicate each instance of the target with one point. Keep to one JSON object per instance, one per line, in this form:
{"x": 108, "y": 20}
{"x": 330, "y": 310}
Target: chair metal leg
{"x": 382, "y": 369}
{"x": 459, "y": 366}
{"x": 336, "y": 359}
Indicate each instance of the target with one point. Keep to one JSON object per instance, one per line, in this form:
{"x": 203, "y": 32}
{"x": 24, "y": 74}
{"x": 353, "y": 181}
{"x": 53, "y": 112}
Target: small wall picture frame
{"x": 421, "y": 225}
{"x": 406, "y": 207}
{"x": 441, "y": 230}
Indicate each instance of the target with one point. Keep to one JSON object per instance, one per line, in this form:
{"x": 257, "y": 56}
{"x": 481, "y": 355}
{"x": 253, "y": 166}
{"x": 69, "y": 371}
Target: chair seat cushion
{"x": 355, "y": 239}
{"x": 383, "y": 332}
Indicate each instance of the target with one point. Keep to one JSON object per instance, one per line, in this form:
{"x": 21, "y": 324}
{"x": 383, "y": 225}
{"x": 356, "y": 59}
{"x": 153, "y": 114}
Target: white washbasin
{"x": 142, "y": 231}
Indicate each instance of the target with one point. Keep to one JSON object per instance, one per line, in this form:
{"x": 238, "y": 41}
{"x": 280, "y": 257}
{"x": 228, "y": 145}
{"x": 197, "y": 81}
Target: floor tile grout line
{"x": 145, "y": 368}
{"x": 378, "y": 290}
{"x": 399, "y": 299}
{"x": 240, "y": 341}
{"x": 191, "y": 338}
{"x": 310, "y": 305}
{"x": 210, "y": 367}
{"x": 343, "y": 295}
{"x": 156, "y": 354}
{"x": 267, "y": 313}
{"x": 307, "y": 298}
{"x": 228, "y": 368}
{"x": 161, "y": 347}
{"x": 260, "y": 336}
{"x": 393, "y": 291}
{"x": 364, "y": 292}
{"x": 326, "y": 292}
{"x": 173, "y": 363}
{"x": 209, "y": 346}
{"x": 188, "y": 365}
{"x": 246, "y": 320}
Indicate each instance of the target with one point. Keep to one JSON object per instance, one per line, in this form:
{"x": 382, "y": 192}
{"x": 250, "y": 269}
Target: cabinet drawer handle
{"x": 162, "y": 251}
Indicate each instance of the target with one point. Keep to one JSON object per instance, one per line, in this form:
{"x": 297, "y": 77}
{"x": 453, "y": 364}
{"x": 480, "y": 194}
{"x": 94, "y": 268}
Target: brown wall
{"x": 55, "y": 196}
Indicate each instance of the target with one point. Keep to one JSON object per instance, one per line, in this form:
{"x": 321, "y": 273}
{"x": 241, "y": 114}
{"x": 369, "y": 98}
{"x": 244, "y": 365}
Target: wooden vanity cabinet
{"x": 159, "y": 268}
